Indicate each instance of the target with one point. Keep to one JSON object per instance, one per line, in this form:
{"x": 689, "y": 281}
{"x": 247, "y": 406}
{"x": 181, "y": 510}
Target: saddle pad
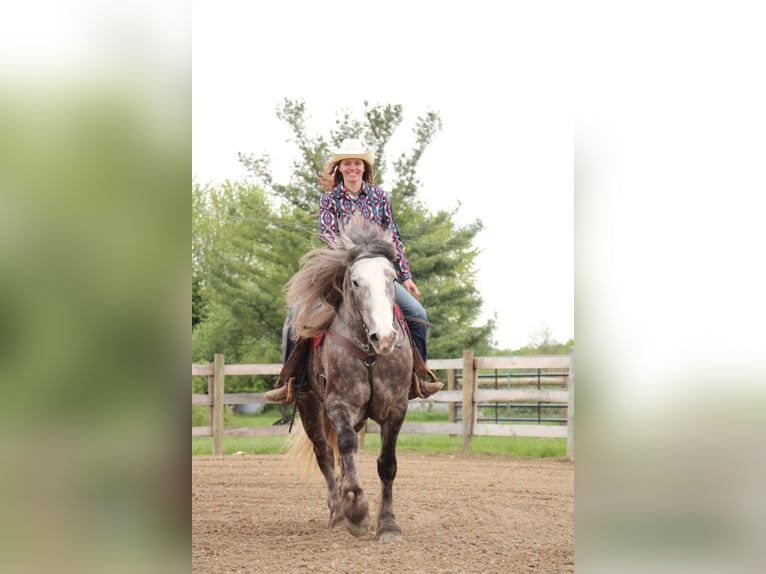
{"x": 316, "y": 340}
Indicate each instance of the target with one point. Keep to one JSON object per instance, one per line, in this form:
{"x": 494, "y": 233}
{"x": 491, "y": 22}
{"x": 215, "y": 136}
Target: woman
{"x": 350, "y": 189}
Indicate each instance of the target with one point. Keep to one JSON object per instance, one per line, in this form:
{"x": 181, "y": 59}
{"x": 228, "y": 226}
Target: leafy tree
{"x": 248, "y": 237}
{"x": 440, "y": 252}
{"x": 541, "y": 342}
{"x": 235, "y": 256}
{"x": 199, "y": 303}
{"x": 542, "y": 336}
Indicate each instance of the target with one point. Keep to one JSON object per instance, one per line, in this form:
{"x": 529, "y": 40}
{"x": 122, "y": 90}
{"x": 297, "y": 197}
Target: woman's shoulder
{"x": 327, "y": 195}
{"x": 377, "y": 190}
{"x": 336, "y": 191}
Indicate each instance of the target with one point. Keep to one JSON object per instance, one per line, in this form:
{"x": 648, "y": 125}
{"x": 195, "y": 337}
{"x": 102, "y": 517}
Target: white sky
{"x": 500, "y": 86}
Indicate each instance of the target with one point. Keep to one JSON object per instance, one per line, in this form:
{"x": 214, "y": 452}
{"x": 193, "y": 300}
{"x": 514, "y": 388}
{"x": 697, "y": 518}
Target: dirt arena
{"x": 459, "y": 514}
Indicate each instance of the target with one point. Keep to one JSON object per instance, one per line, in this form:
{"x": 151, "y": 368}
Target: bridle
{"x": 363, "y": 350}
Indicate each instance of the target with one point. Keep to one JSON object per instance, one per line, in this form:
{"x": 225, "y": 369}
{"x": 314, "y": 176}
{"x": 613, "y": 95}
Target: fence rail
{"x": 469, "y": 398}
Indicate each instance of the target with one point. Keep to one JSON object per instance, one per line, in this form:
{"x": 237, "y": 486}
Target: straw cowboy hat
{"x": 352, "y": 148}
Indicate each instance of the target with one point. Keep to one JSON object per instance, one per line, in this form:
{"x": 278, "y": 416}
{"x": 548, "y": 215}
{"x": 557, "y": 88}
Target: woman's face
{"x": 352, "y": 171}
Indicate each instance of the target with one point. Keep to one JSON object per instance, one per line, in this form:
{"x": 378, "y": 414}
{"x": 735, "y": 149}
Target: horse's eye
{"x": 355, "y": 283}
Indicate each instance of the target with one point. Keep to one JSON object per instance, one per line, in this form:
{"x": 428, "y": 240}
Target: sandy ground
{"x": 458, "y": 514}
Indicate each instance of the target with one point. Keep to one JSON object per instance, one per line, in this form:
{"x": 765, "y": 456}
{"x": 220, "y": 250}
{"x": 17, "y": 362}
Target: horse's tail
{"x": 301, "y": 452}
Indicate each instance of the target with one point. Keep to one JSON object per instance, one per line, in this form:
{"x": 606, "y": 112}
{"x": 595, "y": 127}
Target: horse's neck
{"x": 348, "y": 323}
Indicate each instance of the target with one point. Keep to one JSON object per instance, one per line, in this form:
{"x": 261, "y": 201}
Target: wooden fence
{"x": 469, "y": 396}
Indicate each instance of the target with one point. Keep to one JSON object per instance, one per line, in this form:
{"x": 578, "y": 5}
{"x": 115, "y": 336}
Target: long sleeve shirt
{"x": 337, "y": 206}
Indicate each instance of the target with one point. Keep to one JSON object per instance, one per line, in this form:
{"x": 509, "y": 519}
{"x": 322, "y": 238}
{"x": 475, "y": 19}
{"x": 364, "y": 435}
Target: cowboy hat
{"x": 352, "y": 148}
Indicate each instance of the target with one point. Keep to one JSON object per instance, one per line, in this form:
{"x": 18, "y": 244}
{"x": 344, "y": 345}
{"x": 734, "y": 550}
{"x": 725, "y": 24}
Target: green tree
{"x": 199, "y": 303}
{"x": 238, "y": 247}
{"x": 541, "y": 342}
{"x": 440, "y": 252}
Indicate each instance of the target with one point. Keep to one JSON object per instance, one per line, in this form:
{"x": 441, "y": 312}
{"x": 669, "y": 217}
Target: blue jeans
{"x": 410, "y": 307}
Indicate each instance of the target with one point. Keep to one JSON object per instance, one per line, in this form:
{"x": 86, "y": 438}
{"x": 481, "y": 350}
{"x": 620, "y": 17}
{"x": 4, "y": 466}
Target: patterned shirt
{"x": 373, "y": 204}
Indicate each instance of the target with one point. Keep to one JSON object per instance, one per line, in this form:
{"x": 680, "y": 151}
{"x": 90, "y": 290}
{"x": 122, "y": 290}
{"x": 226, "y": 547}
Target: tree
{"x": 199, "y": 303}
{"x": 441, "y": 253}
{"x": 541, "y": 342}
{"x": 237, "y": 249}
{"x": 541, "y": 336}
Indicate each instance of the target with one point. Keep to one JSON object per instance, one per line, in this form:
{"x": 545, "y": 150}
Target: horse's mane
{"x": 318, "y": 288}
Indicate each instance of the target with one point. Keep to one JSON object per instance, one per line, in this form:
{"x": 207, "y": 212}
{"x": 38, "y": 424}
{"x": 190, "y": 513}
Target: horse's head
{"x": 357, "y": 273}
{"x": 371, "y": 287}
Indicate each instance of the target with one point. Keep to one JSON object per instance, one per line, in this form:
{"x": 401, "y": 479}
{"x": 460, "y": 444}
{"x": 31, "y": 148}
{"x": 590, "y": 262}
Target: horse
{"x": 360, "y": 367}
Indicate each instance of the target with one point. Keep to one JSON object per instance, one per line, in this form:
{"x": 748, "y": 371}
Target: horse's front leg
{"x": 354, "y": 503}
{"x": 387, "y": 529}
{"x": 312, "y": 418}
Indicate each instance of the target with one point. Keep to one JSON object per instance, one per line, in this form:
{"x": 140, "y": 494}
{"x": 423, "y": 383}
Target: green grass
{"x": 232, "y": 444}
{"x": 246, "y": 444}
{"x": 407, "y": 443}
{"x": 429, "y": 416}
{"x": 445, "y": 444}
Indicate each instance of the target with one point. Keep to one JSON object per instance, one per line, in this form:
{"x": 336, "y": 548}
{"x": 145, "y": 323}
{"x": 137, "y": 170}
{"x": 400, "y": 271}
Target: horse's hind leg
{"x": 353, "y": 499}
{"x": 312, "y": 417}
{"x": 387, "y": 529}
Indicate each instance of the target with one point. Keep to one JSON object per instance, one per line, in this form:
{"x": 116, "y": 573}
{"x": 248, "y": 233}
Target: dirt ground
{"x": 458, "y": 514}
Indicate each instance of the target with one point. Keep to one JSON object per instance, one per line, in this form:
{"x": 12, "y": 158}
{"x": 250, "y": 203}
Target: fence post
{"x": 469, "y": 406}
{"x": 210, "y": 393}
{"x": 451, "y": 387}
{"x": 571, "y": 407}
{"x": 217, "y": 422}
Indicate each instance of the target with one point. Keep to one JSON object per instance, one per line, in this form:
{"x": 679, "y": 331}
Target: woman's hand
{"x": 409, "y": 284}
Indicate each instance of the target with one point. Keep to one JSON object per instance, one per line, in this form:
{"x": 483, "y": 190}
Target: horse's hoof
{"x": 336, "y": 519}
{"x": 360, "y": 529}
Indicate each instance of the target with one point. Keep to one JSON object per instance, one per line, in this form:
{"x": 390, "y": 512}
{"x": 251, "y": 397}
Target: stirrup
{"x": 424, "y": 389}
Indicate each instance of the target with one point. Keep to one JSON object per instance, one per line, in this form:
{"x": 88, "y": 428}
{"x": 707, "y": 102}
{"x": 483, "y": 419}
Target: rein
{"x": 367, "y": 358}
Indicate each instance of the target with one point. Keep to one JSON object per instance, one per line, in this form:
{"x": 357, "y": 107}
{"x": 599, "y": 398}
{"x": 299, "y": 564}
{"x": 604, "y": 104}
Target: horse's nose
{"x": 383, "y": 342}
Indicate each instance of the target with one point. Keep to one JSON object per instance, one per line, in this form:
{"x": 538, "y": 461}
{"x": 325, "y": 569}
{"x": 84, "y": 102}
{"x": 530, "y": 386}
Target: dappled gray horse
{"x": 343, "y": 297}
